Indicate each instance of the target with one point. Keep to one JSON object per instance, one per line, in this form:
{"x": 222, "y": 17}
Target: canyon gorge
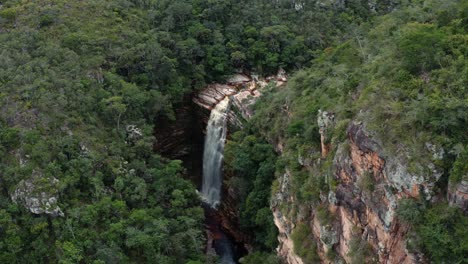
{"x": 234, "y": 131}
{"x": 361, "y": 205}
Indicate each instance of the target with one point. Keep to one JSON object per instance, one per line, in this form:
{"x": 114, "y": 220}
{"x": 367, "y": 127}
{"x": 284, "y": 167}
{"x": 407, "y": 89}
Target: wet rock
{"x": 213, "y": 94}
{"x": 244, "y": 100}
{"x": 238, "y": 79}
{"x": 243, "y": 90}
{"x": 181, "y": 137}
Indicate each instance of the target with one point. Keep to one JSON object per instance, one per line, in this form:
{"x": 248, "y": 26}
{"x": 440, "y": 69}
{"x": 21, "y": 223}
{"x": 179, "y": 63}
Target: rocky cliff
{"x": 354, "y": 219}
{"x": 458, "y": 195}
{"x": 243, "y": 91}
{"x": 361, "y": 202}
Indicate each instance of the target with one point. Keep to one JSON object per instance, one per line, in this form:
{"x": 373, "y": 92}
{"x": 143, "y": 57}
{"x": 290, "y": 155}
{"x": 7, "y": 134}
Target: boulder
{"x": 458, "y": 195}
{"x": 39, "y": 195}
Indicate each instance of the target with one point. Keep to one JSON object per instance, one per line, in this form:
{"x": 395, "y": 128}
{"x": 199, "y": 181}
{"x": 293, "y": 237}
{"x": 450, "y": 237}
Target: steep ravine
{"x": 236, "y": 96}
{"x": 365, "y": 187}
{"x": 194, "y": 136}
{"x": 358, "y": 214}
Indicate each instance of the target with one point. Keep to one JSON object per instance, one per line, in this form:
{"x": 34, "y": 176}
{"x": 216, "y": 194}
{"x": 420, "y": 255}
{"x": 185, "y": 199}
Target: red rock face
{"x": 458, "y": 195}
{"x": 286, "y": 248}
{"x": 368, "y": 213}
{"x": 363, "y": 205}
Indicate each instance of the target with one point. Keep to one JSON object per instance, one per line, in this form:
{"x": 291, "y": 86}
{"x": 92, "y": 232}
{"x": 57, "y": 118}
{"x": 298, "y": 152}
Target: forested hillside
{"x": 82, "y": 84}
{"x": 400, "y": 79}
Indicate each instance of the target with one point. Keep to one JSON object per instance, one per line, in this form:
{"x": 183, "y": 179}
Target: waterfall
{"x": 213, "y": 154}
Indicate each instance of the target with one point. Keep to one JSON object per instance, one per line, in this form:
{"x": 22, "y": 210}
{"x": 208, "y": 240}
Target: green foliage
{"x": 459, "y": 170}
{"x": 72, "y": 77}
{"x": 304, "y": 244}
{"x": 260, "y": 257}
{"x": 9, "y": 138}
{"x": 309, "y": 187}
{"x": 443, "y": 233}
{"x": 438, "y": 229}
{"x": 403, "y": 75}
{"x": 360, "y": 251}
{"x": 420, "y": 46}
{"x": 324, "y": 215}
{"x": 296, "y": 129}
{"x": 252, "y": 164}
{"x": 409, "y": 211}
{"x": 366, "y": 181}
{"x": 75, "y": 73}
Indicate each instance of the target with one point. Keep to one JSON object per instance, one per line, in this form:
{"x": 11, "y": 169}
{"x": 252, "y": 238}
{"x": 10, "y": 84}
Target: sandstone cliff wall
{"x": 362, "y": 202}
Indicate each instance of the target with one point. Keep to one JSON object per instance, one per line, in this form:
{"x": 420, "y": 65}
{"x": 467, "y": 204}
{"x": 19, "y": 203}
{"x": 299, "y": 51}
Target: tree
{"x": 115, "y": 106}
{"x": 420, "y": 47}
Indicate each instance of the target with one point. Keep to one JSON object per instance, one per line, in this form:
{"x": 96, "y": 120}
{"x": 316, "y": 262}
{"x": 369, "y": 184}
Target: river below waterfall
{"x": 219, "y": 242}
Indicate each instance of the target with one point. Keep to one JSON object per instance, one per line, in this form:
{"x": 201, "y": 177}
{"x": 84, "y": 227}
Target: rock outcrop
{"x": 285, "y": 226}
{"x": 325, "y": 122}
{"x": 243, "y": 90}
{"x": 181, "y": 137}
{"x": 39, "y": 195}
{"x": 458, "y": 195}
{"x": 362, "y": 202}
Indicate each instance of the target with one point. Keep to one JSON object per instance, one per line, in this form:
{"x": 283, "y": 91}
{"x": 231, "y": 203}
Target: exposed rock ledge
{"x": 458, "y": 195}
{"x": 357, "y": 212}
{"x": 38, "y": 194}
{"x": 244, "y": 90}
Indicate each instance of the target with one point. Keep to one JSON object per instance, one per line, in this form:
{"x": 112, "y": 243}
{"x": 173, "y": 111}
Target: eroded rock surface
{"x": 325, "y": 121}
{"x": 363, "y": 203}
{"x": 39, "y": 195}
{"x": 285, "y": 226}
{"x": 458, "y": 195}
{"x": 244, "y": 91}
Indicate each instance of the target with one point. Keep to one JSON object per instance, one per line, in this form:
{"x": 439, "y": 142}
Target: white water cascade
{"x": 213, "y": 154}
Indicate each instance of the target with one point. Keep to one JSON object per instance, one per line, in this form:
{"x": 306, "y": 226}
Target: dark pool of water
{"x": 225, "y": 246}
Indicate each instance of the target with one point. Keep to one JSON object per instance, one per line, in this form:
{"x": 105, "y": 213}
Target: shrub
{"x": 9, "y": 14}
{"x": 409, "y": 211}
{"x": 360, "y": 251}
{"x": 304, "y": 244}
{"x": 366, "y": 181}
{"x": 459, "y": 170}
{"x": 444, "y": 234}
{"x": 420, "y": 45}
{"x": 260, "y": 257}
{"x": 324, "y": 216}
{"x": 296, "y": 128}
